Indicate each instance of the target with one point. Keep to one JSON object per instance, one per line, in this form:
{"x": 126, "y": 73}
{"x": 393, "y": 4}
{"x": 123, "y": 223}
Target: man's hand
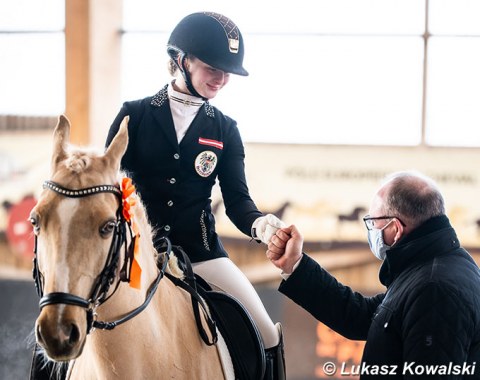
{"x": 285, "y": 248}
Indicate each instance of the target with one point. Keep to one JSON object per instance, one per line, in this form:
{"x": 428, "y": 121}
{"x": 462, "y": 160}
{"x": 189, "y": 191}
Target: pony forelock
{"x": 79, "y": 161}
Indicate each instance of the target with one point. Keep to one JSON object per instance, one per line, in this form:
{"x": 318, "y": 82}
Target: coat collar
{"x": 433, "y": 238}
{"x": 161, "y": 98}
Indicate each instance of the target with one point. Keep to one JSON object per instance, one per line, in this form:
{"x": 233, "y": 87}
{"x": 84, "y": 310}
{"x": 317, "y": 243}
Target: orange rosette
{"x": 128, "y": 201}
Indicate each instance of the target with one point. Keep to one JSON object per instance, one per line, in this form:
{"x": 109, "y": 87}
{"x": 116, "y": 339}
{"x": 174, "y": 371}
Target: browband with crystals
{"x": 81, "y": 192}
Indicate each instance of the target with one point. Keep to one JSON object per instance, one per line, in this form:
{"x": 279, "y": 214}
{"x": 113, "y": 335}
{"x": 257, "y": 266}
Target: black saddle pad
{"x": 239, "y": 331}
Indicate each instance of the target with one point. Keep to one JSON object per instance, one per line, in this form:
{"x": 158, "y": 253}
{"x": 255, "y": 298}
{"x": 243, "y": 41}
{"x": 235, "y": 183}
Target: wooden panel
{"x": 77, "y": 49}
{"x": 93, "y": 62}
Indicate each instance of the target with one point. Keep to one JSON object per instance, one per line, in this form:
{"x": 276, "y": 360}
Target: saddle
{"x": 237, "y": 327}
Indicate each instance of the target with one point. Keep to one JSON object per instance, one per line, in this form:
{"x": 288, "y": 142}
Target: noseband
{"x": 108, "y": 274}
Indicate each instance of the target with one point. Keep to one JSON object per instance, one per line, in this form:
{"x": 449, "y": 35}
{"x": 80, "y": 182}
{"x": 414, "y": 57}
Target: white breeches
{"x": 223, "y": 274}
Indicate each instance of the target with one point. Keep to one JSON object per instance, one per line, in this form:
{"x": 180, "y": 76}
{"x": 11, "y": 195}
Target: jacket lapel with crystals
{"x": 163, "y": 116}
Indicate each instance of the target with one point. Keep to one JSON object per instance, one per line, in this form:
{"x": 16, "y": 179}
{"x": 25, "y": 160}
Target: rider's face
{"x": 206, "y": 80}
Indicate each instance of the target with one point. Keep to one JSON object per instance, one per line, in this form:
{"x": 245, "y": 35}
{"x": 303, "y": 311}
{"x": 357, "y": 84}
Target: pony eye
{"x": 34, "y": 222}
{"x": 108, "y": 228}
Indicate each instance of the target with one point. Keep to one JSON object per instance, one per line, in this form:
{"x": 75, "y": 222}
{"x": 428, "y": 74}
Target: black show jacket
{"x": 175, "y": 180}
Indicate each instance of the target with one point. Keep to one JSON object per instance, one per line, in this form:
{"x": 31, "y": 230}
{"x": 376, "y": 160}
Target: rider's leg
{"x": 223, "y": 274}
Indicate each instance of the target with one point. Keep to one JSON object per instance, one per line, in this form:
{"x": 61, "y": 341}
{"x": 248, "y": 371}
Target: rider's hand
{"x": 265, "y": 227}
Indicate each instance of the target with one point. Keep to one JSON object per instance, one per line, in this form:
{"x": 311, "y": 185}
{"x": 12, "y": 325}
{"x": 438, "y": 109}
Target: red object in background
{"x": 19, "y": 230}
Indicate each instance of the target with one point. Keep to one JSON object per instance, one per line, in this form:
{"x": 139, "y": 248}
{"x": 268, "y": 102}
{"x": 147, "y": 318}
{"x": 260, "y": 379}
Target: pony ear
{"x": 118, "y": 146}
{"x": 61, "y": 137}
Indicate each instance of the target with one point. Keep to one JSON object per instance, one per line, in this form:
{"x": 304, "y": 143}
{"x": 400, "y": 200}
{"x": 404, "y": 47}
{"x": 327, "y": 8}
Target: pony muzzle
{"x": 61, "y": 331}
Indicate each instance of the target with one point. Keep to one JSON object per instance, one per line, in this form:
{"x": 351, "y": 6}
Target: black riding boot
{"x": 41, "y": 370}
{"x": 275, "y": 360}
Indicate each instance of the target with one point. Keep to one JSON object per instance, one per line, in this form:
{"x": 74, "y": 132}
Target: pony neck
{"x": 146, "y": 255}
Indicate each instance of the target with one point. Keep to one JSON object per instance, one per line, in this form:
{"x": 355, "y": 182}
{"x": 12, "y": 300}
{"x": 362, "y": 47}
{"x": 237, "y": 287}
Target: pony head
{"x": 74, "y": 238}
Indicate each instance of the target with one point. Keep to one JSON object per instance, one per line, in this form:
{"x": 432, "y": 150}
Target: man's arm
{"x": 317, "y": 291}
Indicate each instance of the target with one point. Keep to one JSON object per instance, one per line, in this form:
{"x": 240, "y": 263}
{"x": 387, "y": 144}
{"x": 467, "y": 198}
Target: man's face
{"x": 377, "y": 210}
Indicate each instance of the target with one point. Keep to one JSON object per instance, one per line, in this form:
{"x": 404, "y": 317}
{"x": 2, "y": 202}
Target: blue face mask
{"x": 377, "y": 245}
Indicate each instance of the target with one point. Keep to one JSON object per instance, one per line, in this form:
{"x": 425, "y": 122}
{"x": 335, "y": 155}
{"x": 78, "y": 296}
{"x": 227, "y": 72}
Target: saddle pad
{"x": 239, "y": 331}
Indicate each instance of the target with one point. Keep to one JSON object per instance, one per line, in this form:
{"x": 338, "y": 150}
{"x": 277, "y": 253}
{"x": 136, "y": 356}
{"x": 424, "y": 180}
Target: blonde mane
{"x": 140, "y": 215}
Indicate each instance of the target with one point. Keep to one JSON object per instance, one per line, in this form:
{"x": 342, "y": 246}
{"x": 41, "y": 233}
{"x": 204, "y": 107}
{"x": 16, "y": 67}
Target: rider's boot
{"x": 275, "y": 360}
{"x": 41, "y": 369}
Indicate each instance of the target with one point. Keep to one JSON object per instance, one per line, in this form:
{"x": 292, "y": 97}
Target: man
{"x": 427, "y": 323}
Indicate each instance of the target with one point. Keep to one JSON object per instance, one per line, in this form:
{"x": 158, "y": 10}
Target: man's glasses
{"x": 370, "y": 220}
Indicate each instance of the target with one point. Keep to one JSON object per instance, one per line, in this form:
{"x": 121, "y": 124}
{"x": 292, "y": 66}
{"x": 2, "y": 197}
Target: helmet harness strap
{"x": 180, "y": 61}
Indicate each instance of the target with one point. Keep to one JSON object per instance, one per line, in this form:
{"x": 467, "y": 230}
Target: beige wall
{"x": 323, "y": 182}
{"x": 319, "y": 182}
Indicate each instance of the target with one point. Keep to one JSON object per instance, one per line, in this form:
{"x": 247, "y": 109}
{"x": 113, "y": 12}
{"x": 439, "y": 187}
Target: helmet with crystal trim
{"x": 212, "y": 38}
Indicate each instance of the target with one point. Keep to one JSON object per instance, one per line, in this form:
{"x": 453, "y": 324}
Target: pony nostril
{"x": 74, "y": 335}
{"x": 39, "y": 335}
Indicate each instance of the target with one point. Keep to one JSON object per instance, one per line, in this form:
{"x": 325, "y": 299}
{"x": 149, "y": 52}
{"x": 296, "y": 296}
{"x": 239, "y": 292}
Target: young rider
{"x": 179, "y": 145}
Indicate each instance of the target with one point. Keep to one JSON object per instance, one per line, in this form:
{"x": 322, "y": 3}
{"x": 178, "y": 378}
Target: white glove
{"x": 265, "y": 227}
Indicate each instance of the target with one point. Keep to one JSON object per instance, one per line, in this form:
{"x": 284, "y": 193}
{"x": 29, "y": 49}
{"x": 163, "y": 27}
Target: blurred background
{"x": 340, "y": 93}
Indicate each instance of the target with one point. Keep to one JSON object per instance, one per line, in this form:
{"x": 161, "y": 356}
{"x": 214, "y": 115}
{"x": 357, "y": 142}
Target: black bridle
{"x": 108, "y": 274}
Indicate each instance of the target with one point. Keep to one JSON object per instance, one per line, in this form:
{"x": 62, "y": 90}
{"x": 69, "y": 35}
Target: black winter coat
{"x": 429, "y": 315}
{"x": 175, "y": 180}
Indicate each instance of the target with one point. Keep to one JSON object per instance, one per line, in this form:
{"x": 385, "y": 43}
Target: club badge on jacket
{"x": 205, "y": 163}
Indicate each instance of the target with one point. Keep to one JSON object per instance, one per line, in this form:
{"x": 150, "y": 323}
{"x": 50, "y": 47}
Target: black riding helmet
{"x": 212, "y": 38}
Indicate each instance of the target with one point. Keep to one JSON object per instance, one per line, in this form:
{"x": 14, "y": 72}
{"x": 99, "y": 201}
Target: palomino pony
{"x": 84, "y": 243}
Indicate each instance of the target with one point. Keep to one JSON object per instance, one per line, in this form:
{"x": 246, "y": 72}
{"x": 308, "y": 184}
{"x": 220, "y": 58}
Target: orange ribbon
{"x": 128, "y": 201}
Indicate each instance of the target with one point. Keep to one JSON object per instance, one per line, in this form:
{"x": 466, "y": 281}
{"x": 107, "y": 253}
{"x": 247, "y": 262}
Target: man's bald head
{"x": 411, "y": 196}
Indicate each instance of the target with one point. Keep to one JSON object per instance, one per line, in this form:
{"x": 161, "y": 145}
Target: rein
{"x": 190, "y": 286}
{"x": 108, "y": 274}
